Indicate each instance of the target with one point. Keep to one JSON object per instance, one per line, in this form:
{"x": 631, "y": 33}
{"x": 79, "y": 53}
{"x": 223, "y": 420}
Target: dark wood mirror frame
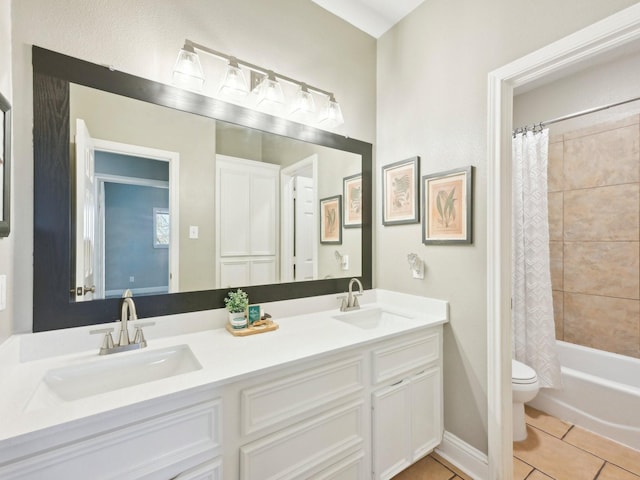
{"x": 5, "y": 149}
{"x": 53, "y": 273}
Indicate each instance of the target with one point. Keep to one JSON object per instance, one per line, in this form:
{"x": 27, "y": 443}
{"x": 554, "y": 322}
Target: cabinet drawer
{"x": 157, "y": 448}
{"x": 306, "y": 449}
{"x": 351, "y": 468}
{"x": 207, "y": 471}
{"x": 299, "y": 396}
{"x": 391, "y": 361}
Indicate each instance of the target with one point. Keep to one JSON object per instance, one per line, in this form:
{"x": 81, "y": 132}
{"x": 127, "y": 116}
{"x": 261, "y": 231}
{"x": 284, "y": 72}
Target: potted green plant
{"x": 236, "y": 303}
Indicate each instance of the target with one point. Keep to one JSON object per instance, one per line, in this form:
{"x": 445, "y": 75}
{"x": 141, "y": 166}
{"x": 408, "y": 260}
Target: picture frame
{"x": 352, "y": 205}
{"x": 5, "y": 166}
{"x": 401, "y": 192}
{"x": 330, "y": 221}
{"x": 447, "y": 202}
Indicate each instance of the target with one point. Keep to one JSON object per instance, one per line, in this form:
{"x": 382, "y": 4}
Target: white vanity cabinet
{"x": 307, "y": 421}
{"x": 377, "y": 408}
{"x": 406, "y": 412}
{"x": 158, "y": 440}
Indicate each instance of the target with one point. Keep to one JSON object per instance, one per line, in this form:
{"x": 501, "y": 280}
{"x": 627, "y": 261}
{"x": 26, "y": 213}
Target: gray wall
{"x": 129, "y": 250}
{"x": 432, "y": 102}
{"x": 604, "y": 83}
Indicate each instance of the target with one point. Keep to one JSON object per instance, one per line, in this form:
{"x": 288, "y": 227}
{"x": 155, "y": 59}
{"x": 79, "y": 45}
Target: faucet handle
{"x": 139, "y": 336}
{"x": 343, "y": 303}
{"x": 107, "y": 342}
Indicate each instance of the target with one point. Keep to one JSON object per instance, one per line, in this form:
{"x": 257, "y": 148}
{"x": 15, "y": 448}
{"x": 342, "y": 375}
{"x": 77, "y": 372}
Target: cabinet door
{"x": 264, "y": 212}
{"x": 391, "y": 418}
{"x": 426, "y": 412}
{"x": 235, "y": 213}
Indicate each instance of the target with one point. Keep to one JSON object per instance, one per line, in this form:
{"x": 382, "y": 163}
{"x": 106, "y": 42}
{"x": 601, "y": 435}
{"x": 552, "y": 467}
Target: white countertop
{"x": 224, "y": 358}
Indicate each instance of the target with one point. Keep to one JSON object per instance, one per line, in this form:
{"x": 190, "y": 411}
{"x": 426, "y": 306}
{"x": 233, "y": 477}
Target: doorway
{"x": 109, "y": 176}
{"x": 616, "y": 31}
{"x": 299, "y": 194}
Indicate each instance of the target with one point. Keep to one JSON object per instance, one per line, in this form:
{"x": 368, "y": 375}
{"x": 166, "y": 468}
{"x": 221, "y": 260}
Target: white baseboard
{"x": 465, "y": 457}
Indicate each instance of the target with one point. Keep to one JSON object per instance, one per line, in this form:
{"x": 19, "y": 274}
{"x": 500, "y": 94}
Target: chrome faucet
{"x": 127, "y": 313}
{"x": 350, "y": 302}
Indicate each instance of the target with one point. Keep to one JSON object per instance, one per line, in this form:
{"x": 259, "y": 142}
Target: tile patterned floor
{"x": 553, "y": 450}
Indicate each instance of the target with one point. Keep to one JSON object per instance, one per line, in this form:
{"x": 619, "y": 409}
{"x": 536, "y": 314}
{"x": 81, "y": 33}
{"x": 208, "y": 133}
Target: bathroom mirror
{"x": 68, "y": 89}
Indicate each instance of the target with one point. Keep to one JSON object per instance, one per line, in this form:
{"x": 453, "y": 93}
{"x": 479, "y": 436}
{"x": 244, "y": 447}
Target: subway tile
{"x": 558, "y": 313}
{"x": 602, "y": 214}
{"x": 602, "y": 268}
{"x": 612, "y": 472}
{"x": 556, "y": 258}
{"x": 602, "y": 127}
{"x": 426, "y": 468}
{"x": 555, "y": 182}
{"x": 556, "y": 458}
{"x": 605, "y": 323}
{"x": 555, "y": 212}
{"x": 520, "y": 469}
{"x": 606, "y": 449}
{"x": 608, "y": 158}
{"x": 546, "y": 423}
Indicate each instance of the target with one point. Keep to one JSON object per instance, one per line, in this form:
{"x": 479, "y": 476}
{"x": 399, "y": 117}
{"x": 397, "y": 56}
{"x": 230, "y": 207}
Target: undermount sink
{"x": 108, "y": 374}
{"x": 373, "y": 318}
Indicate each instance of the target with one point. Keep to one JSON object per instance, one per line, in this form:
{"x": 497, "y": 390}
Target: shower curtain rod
{"x": 572, "y": 115}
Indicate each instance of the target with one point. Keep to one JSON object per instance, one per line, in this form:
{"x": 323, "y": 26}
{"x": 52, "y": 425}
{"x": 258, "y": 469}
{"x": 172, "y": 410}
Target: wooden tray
{"x": 270, "y": 326}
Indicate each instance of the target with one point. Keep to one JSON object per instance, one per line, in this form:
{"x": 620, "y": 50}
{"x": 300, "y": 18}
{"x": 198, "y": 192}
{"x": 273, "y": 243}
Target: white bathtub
{"x": 600, "y": 392}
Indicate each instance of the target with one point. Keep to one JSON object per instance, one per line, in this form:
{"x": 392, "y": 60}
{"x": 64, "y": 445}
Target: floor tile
{"x": 450, "y": 466}
{"x": 606, "y": 449}
{"x": 556, "y": 458}
{"x": 538, "y": 475}
{"x": 520, "y": 469}
{"x": 546, "y": 423}
{"x": 426, "y": 469}
{"x": 611, "y": 472}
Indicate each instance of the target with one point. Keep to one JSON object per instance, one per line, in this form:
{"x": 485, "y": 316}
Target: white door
{"x": 305, "y": 260}
{"x": 85, "y": 212}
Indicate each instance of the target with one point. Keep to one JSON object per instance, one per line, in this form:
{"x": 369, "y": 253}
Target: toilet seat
{"x": 522, "y": 374}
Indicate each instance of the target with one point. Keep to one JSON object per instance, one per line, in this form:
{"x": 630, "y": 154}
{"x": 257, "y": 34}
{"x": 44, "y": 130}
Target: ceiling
{"x": 372, "y": 16}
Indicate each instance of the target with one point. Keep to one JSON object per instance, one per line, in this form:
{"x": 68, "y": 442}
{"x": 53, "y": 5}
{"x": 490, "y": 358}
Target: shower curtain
{"x": 532, "y": 310}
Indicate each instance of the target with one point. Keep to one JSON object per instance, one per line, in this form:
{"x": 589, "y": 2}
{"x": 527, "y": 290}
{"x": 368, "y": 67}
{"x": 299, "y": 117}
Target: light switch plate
{"x": 193, "y": 231}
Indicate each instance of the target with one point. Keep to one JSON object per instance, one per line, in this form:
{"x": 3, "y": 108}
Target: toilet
{"x": 524, "y": 385}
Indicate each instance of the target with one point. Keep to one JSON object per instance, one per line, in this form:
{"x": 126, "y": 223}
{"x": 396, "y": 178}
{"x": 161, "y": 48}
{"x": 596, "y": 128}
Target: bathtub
{"x": 600, "y": 392}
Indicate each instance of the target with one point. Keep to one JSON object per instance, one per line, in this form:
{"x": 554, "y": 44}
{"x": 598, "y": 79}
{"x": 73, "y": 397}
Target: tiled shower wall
{"x": 594, "y": 230}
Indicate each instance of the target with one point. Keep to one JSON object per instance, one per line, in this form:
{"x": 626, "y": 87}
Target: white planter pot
{"x": 237, "y": 320}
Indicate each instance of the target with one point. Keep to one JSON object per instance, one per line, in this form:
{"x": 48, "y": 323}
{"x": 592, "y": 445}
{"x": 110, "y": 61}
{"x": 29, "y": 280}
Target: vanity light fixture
{"x": 234, "y": 83}
{"x": 304, "y": 106}
{"x": 187, "y": 73}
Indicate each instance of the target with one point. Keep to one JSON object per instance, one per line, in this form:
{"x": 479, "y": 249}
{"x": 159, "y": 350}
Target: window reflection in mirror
{"x": 243, "y": 204}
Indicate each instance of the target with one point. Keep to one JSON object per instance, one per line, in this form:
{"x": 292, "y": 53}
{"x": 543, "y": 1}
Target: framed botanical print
{"x": 330, "y": 220}
{"x": 400, "y": 187}
{"x": 446, "y": 207}
{"x": 352, "y": 194}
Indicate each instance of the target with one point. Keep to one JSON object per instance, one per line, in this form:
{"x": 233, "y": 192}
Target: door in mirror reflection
{"x": 123, "y": 212}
